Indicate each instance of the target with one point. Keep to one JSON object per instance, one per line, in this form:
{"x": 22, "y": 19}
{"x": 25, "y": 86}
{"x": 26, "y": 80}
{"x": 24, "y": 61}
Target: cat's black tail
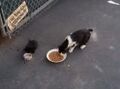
{"x": 91, "y": 30}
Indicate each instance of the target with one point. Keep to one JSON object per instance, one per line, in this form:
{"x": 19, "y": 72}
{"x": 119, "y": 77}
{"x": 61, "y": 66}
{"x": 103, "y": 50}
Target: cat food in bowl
{"x": 55, "y": 57}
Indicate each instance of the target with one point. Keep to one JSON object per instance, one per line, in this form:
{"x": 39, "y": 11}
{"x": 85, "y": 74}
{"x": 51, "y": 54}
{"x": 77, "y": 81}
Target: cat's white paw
{"x": 83, "y": 47}
{"x": 71, "y": 50}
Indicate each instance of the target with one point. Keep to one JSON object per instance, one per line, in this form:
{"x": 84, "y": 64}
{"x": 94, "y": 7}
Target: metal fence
{"x": 24, "y": 10}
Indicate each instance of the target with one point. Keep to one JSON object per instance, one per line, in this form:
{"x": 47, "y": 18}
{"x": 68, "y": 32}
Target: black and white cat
{"x": 78, "y": 38}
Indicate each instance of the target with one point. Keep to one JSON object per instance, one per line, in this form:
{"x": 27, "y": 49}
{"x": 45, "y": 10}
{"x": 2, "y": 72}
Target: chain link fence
{"x": 15, "y": 13}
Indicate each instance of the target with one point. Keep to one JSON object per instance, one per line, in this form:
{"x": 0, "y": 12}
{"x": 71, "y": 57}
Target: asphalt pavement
{"x": 96, "y": 67}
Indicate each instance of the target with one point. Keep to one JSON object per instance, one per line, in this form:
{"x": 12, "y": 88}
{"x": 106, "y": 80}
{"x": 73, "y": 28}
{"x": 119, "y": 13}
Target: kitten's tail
{"x": 91, "y": 30}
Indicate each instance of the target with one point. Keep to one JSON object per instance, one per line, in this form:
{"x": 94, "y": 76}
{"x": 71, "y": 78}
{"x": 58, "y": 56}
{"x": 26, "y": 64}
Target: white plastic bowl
{"x": 55, "y": 50}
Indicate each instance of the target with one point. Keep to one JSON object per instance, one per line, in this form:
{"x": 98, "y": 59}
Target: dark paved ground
{"x": 97, "y": 67}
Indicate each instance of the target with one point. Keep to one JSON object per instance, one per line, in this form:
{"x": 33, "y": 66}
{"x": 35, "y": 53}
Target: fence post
{"x": 4, "y": 28}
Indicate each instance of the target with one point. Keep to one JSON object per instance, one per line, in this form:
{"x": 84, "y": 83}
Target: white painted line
{"x": 113, "y": 2}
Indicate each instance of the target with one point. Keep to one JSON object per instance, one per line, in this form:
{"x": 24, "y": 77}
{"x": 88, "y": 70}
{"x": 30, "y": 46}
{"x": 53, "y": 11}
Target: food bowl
{"x": 55, "y": 53}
